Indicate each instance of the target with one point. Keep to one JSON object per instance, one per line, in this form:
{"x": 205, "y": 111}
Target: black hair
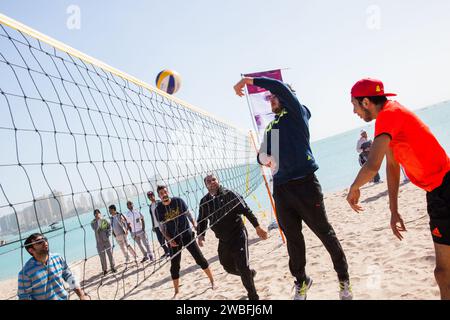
{"x": 96, "y": 211}
{"x": 209, "y": 174}
{"x": 160, "y": 187}
{"x": 377, "y": 100}
{"x": 113, "y": 207}
{"x": 30, "y": 240}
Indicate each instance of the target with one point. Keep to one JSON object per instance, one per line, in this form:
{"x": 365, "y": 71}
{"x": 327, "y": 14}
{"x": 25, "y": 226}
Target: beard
{"x": 367, "y": 115}
{"x": 42, "y": 252}
{"x": 276, "y": 109}
{"x": 213, "y": 189}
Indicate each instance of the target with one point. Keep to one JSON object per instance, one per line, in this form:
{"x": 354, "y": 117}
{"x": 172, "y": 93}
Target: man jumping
{"x": 296, "y": 189}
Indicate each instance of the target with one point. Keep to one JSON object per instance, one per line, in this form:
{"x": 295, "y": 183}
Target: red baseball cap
{"x": 369, "y": 88}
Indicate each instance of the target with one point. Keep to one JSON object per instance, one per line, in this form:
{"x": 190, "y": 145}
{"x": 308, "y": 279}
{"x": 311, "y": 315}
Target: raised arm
{"x": 239, "y": 87}
{"x": 276, "y": 87}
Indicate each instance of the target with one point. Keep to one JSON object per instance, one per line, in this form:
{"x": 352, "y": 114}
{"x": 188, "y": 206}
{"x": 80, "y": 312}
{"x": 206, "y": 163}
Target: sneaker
{"x": 145, "y": 259}
{"x": 302, "y": 289}
{"x": 345, "y": 290}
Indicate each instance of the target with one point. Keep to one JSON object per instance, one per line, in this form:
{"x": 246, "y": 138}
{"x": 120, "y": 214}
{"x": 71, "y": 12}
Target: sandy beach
{"x": 381, "y": 266}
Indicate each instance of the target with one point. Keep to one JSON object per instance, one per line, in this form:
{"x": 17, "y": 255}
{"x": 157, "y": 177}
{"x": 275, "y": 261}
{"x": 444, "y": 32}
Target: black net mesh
{"x": 76, "y": 137}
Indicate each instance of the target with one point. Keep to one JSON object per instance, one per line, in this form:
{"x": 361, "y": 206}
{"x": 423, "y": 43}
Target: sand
{"x": 380, "y": 265}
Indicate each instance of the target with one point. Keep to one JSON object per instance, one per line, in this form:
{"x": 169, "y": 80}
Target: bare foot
{"x": 175, "y": 296}
{"x": 213, "y": 286}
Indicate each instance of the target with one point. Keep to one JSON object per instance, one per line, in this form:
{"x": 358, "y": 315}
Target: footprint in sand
{"x": 271, "y": 266}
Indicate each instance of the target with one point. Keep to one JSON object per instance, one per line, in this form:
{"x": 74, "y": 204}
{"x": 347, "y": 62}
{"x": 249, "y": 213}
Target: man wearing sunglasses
{"x": 43, "y": 276}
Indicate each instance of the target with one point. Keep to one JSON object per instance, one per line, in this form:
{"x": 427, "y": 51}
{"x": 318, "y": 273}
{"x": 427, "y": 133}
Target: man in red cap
{"x": 406, "y": 141}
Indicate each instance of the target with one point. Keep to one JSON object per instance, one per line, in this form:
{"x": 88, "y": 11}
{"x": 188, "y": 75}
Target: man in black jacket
{"x": 223, "y": 208}
{"x": 296, "y": 190}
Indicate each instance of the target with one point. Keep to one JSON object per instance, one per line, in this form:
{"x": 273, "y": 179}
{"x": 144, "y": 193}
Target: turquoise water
{"x": 336, "y": 156}
{"x": 76, "y": 240}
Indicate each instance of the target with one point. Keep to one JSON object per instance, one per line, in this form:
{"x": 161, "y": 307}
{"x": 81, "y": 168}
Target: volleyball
{"x": 168, "y": 81}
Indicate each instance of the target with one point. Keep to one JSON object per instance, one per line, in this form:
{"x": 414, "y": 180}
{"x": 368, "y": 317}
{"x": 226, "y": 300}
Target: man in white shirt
{"x": 361, "y": 140}
{"x": 156, "y": 226}
{"x": 362, "y": 146}
{"x": 135, "y": 220}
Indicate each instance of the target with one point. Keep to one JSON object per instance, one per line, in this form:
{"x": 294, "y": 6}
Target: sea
{"x": 338, "y": 166}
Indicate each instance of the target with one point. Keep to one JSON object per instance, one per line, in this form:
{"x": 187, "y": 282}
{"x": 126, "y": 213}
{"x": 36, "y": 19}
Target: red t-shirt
{"x": 414, "y": 146}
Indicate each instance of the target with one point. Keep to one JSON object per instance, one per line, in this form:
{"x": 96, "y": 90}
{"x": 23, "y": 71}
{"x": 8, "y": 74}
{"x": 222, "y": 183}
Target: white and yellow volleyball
{"x": 168, "y": 81}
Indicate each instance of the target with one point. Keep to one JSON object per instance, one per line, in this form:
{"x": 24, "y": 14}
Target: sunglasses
{"x": 38, "y": 241}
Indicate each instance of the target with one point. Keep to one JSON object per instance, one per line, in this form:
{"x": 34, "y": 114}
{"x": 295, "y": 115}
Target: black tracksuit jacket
{"x": 223, "y": 212}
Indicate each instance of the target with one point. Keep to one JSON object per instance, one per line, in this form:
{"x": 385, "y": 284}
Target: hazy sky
{"x": 327, "y": 46}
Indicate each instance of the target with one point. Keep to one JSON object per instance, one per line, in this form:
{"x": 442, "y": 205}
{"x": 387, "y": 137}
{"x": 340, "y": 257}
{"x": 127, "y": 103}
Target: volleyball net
{"x": 78, "y": 135}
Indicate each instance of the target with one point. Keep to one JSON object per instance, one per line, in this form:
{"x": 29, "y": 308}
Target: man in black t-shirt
{"x": 174, "y": 216}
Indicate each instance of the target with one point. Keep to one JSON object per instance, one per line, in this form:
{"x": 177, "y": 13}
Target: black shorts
{"x": 438, "y": 207}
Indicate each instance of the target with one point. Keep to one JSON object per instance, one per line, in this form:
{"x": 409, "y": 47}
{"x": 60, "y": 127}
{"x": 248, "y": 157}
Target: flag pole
{"x": 272, "y": 202}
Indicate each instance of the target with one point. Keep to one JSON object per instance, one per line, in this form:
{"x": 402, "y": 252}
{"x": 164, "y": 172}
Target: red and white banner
{"x": 259, "y": 101}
